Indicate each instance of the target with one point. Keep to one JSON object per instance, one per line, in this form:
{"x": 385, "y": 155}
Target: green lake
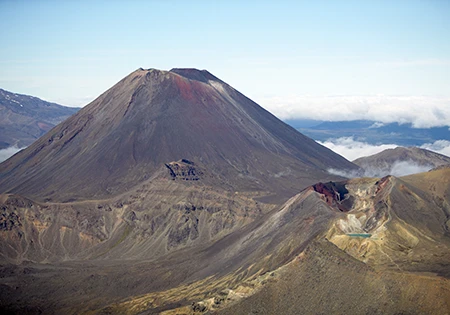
{"x": 364, "y": 235}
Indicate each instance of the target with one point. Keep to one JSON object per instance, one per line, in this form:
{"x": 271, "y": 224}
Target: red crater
{"x": 334, "y": 194}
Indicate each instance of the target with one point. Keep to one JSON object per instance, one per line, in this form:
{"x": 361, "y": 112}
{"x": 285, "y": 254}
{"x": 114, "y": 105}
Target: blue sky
{"x": 280, "y": 53}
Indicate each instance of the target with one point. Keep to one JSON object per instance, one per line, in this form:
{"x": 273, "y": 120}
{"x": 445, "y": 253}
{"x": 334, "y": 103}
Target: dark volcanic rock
{"x": 184, "y": 170}
{"x": 9, "y": 220}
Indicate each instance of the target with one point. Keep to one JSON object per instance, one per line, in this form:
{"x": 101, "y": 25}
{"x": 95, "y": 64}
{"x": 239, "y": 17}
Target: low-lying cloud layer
{"x": 8, "y": 152}
{"x": 352, "y": 149}
{"x": 439, "y": 146}
{"x": 421, "y": 111}
{"x": 399, "y": 168}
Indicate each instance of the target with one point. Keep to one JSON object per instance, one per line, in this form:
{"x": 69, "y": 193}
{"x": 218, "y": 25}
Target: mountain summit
{"x": 151, "y": 118}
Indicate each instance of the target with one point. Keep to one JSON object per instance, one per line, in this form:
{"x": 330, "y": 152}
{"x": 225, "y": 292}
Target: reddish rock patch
{"x": 185, "y": 88}
{"x": 334, "y": 194}
{"x": 382, "y": 183}
{"x": 44, "y": 126}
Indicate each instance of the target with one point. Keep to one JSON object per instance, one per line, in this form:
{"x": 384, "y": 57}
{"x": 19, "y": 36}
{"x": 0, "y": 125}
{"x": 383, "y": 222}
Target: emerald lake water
{"x": 364, "y": 235}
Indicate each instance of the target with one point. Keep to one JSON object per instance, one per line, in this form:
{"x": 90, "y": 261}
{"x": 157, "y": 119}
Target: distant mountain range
{"x": 372, "y": 132}
{"x": 24, "y": 118}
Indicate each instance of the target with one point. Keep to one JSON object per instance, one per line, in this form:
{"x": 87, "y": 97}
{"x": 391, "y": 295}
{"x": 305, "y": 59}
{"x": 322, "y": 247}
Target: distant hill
{"x": 24, "y": 118}
{"x": 401, "y": 161}
{"x": 372, "y": 132}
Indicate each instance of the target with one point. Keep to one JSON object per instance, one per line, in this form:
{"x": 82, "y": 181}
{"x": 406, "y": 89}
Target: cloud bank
{"x": 352, "y": 149}
{"x": 420, "y": 111}
{"x": 399, "y": 168}
{"x": 439, "y": 146}
{"x": 8, "y": 152}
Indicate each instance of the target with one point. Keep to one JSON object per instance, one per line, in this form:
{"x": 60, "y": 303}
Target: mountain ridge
{"x": 24, "y": 118}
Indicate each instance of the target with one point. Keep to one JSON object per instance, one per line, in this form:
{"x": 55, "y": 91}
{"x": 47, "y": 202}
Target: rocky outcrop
{"x": 8, "y": 220}
{"x": 183, "y": 170}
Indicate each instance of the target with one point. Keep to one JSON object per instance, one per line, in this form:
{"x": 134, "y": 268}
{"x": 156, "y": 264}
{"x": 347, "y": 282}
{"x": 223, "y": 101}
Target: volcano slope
{"x": 124, "y": 209}
{"x": 144, "y": 189}
{"x": 152, "y": 118}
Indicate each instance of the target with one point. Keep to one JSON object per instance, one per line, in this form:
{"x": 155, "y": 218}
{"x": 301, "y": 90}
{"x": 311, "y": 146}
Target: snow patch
{"x": 17, "y": 102}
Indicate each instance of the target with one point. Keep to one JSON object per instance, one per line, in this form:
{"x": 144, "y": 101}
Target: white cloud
{"x": 352, "y": 149}
{"x": 421, "y": 111}
{"x": 74, "y": 101}
{"x": 8, "y": 152}
{"x": 398, "y": 168}
{"x": 403, "y": 168}
{"x": 439, "y": 146}
{"x": 377, "y": 125}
